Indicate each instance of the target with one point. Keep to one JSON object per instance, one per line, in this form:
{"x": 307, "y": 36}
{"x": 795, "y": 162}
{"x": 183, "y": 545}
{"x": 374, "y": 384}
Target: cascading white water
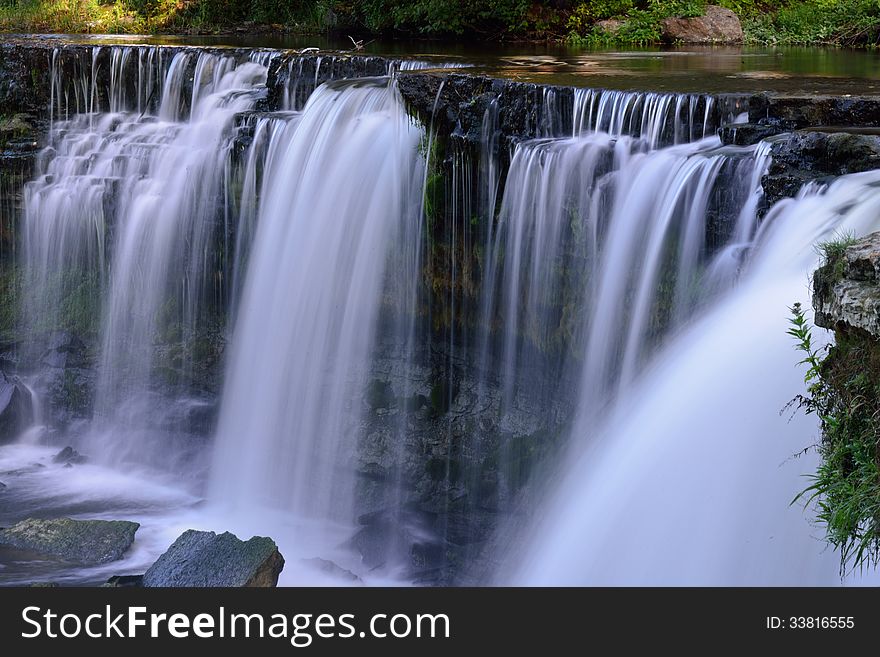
{"x": 658, "y": 118}
{"x": 548, "y": 221}
{"x": 688, "y": 479}
{"x": 261, "y": 154}
{"x": 652, "y": 249}
{"x": 134, "y": 198}
{"x": 353, "y": 174}
{"x": 632, "y": 223}
{"x": 163, "y": 233}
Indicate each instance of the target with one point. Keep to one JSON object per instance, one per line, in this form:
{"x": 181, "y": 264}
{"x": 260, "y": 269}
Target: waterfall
{"x": 265, "y": 145}
{"x": 376, "y": 340}
{"x": 658, "y": 118}
{"x": 587, "y": 222}
{"x": 128, "y": 205}
{"x": 296, "y": 374}
{"x": 688, "y": 478}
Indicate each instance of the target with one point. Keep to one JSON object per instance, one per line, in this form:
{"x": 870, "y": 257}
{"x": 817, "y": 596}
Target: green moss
{"x": 74, "y": 394}
{"x": 170, "y": 375}
{"x": 13, "y": 127}
{"x": 433, "y": 149}
{"x": 10, "y": 288}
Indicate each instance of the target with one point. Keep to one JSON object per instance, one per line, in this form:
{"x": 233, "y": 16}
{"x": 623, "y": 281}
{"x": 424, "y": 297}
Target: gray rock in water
{"x": 88, "y": 542}
{"x": 206, "y": 559}
{"x": 16, "y": 407}
{"x": 69, "y": 455}
{"x": 2, "y": 485}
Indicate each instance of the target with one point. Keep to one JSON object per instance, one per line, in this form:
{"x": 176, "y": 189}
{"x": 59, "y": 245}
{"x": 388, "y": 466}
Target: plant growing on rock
{"x": 843, "y": 391}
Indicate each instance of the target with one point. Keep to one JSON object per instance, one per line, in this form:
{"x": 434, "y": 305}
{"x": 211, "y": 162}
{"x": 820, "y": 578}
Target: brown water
{"x": 707, "y": 69}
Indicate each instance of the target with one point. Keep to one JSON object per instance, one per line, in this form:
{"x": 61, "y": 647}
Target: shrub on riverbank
{"x": 832, "y": 22}
{"x": 788, "y": 22}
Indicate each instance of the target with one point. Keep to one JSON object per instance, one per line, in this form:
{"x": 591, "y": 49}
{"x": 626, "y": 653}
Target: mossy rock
{"x": 89, "y": 542}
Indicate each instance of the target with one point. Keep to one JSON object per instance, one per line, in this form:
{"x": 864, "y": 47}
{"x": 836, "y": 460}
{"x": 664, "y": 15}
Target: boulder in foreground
{"x": 206, "y": 559}
{"x": 89, "y": 542}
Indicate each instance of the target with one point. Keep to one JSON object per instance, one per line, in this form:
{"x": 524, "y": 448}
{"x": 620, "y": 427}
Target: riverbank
{"x": 590, "y": 23}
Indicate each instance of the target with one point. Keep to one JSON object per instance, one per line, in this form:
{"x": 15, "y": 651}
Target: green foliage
{"x": 641, "y": 27}
{"x": 121, "y": 16}
{"x": 69, "y": 16}
{"x": 832, "y": 251}
{"x": 801, "y": 332}
{"x": 844, "y": 393}
{"x": 748, "y": 7}
{"x": 833, "y": 263}
{"x": 835, "y": 22}
{"x": 641, "y": 20}
{"x": 587, "y": 13}
{"x": 444, "y": 16}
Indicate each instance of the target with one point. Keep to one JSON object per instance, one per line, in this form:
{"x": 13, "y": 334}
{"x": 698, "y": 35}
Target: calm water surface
{"x": 708, "y": 69}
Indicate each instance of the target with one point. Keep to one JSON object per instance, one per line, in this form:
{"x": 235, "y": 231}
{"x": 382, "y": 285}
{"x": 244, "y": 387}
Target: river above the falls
{"x": 693, "y": 69}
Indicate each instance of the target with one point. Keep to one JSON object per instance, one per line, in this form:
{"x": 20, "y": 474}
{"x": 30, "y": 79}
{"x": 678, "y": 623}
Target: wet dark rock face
{"x": 746, "y": 134}
{"x": 441, "y": 457}
{"x": 24, "y": 79}
{"x": 455, "y": 104}
{"x": 796, "y": 112}
{"x": 805, "y": 156}
{"x": 16, "y": 407}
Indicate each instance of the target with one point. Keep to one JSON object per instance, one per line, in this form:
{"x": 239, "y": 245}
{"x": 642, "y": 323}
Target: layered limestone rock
{"x": 846, "y": 292}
